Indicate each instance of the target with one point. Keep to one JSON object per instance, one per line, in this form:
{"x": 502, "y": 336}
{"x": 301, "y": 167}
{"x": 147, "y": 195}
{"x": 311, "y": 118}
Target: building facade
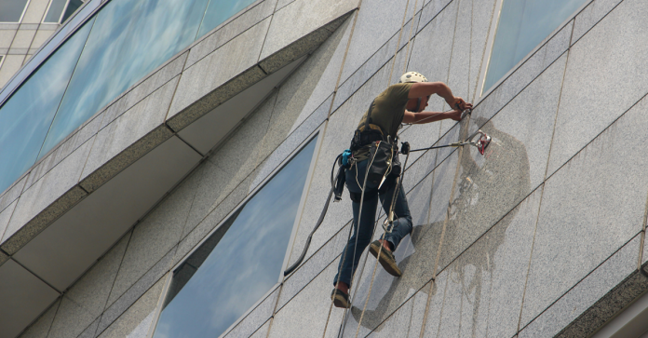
{"x": 181, "y": 153}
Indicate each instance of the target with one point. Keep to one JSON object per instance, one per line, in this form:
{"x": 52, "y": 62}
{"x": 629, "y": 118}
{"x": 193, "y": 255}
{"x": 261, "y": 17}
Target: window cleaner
{"x": 371, "y": 171}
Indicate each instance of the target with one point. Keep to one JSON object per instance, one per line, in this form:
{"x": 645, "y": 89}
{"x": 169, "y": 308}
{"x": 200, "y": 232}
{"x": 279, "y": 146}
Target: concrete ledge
{"x": 37, "y": 224}
{"x": 607, "y": 307}
{"x": 127, "y": 157}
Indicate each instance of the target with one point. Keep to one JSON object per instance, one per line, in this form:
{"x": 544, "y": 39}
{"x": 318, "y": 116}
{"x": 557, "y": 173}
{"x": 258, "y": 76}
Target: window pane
{"x": 26, "y": 116}
{"x": 218, "y": 11}
{"x": 55, "y": 10}
{"x": 71, "y": 8}
{"x": 130, "y": 38}
{"x": 523, "y": 24}
{"x": 240, "y": 262}
{"x": 11, "y": 10}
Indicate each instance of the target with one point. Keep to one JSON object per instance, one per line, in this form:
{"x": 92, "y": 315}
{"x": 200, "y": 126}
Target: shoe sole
{"x": 387, "y": 264}
{"x": 339, "y": 301}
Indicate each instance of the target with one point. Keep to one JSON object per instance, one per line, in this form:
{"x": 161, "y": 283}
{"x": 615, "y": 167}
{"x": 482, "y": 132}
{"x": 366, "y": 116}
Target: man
{"x": 400, "y": 103}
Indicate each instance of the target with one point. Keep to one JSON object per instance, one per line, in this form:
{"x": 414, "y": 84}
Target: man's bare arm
{"x": 423, "y": 89}
{"x": 428, "y": 116}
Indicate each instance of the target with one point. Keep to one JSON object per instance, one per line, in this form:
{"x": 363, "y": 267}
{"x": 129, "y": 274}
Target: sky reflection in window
{"x": 240, "y": 262}
{"x": 523, "y": 24}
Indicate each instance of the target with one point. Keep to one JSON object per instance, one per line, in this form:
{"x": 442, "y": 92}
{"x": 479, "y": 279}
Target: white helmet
{"x": 412, "y": 77}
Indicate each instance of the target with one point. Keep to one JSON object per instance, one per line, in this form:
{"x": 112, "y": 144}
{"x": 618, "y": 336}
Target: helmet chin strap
{"x": 418, "y": 105}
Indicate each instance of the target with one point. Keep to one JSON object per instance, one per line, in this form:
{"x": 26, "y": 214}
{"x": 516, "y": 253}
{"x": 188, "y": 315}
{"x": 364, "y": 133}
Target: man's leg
{"x": 403, "y": 222}
{"x": 402, "y": 225}
{"x": 351, "y": 254}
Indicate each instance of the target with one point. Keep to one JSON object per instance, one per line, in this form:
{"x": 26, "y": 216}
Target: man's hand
{"x": 455, "y": 114}
{"x": 459, "y": 103}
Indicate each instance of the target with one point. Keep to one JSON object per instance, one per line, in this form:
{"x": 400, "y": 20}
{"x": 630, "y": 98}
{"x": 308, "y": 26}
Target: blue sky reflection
{"x": 523, "y": 24}
{"x": 27, "y": 115}
{"x": 129, "y": 39}
{"x": 244, "y": 265}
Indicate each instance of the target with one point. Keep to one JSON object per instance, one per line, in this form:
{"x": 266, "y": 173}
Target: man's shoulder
{"x": 396, "y": 91}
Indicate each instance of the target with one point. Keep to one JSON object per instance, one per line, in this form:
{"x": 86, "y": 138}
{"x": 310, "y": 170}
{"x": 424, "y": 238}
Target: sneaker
{"x": 340, "y": 299}
{"x": 386, "y": 258}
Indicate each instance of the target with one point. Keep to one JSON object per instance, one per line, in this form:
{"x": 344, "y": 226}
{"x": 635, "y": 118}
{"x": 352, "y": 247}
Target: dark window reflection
{"x": 523, "y": 24}
{"x": 72, "y": 6}
{"x": 55, "y": 10}
{"x": 239, "y": 263}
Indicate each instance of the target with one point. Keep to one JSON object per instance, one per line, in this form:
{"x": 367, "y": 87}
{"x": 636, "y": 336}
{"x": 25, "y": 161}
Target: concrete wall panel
{"x": 588, "y": 201}
{"x": 610, "y": 51}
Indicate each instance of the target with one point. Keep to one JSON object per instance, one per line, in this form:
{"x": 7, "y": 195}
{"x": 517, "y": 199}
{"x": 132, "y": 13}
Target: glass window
{"x": 12, "y": 10}
{"x": 240, "y": 262}
{"x": 219, "y": 11}
{"x": 27, "y": 115}
{"x": 129, "y": 39}
{"x": 523, "y": 24}
{"x": 55, "y": 10}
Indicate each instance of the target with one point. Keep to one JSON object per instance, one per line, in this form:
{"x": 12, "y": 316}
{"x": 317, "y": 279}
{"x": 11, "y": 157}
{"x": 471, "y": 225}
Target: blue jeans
{"x": 402, "y": 219}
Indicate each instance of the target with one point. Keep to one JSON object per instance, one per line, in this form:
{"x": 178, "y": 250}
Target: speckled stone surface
{"x": 406, "y": 321}
{"x": 46, "y": 200}
{"x": 153, "y": 238}
{"x": 229, "y": 29}
{"x": 595, "y": 299}
{"x": 297, "y": 49}
{"x": 434, "y": 42}
{"x": 299, "y": 20}
{"x": 121, "y": 297}
{"x": 90, "y": 331}
{"x": 114, "y": 309}
{"x": 5, "y": 216}
{"x": 3, "y": 257}
{"x": 41, "y": 327}
{"x": 64, "y": 149}
{"x": 232, "y": 72}
{"x": 307, "y": 313}
{"x": 144, "y": 88}
{"x": 135, "y": 315}
{"x": 378, "y": 22}
{"x": 13, "y": 192}
{"x": 256, "y": 318}
{"x": 313, "y": 266}
{"x": 262, "y": 332}
{"x": 431, "y": 8}
{"x": 128, "y": 138}
{"x": 382, "y": 58}
{"x": 585, "y": 111}
{"x": 86, "y": 299}
{"x": 487, "y": 187}
{"x": 294, "y": 140}
{"x": 33, "y": 227}
{"x": 589, "y": 210}
{"x": 525, "y": 125}
{"x": 591, "y": 15}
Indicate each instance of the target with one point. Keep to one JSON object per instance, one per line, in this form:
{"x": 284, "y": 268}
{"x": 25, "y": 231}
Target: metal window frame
{"x": 261, "y": 185}
{"x": 22, "y": 16}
